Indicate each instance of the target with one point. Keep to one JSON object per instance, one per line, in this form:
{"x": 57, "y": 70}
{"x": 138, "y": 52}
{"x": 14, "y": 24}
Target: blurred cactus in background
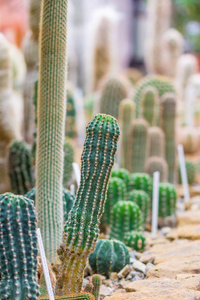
{"x": 167, "y": 200}
{"x": 191, "y": 172}
{"x": 159, "y": 164}
{"x": 156, "y": 142}
{"x": 68, "y": 160}
{"x": 122, "y": 174}
{"x": 70, "y": 122}
{"x": 150, "y": 105}
{"x": 143, "y": 201}
{"x": 141, "y": 181}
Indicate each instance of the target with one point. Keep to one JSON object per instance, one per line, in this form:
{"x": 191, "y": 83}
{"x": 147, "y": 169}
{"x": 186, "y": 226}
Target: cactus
{"x": 189, "y": 138}
{"x": 162, "y": 84}
{"x": 126, "y": 115}
{"x": 167, "y": 200}
{"x": 126, "y": 216}
{"x": 135, "y": 240}
{"x": 79, "y": 296}
{"x": 51, "y": 123}
{"x": 34, "y": 17}
{"x": 156, "y": 142}
{"x": 82, "y": 228}
{"x": 122, "y": 174}
{"x": 41, "y": 278}
{"x": 168, "y": 124}
{"x": 68, "y": 160}
{"x": 113, "y": 92}
{"x": 20, "y": 167}
{"x": 191, "y": 172}
{"x": 150, "y": 105}
{"x": 109, "y": 256}
{"x": 96, "y": 280}
{"x": 141, "y": 181}
{"x": 70, "y": 123}
{"x": 143, "y": 201}
{"x": 138, "y": 145}
{"x": 88, "y": 288}
{"x": 18, "y": 248}
{"x": 154, "y": 164}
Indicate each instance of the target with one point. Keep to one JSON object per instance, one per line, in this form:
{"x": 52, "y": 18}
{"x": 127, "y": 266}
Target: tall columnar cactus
{"x": 162, "y": 84}
{"x": 18, "y": 248}
{"x": 122, "y": 174}
{"x": 68, "y": 160}
{"x": 150, "y": 105}
{"x": 141, "y": 181}
{"x": 138, "y": 145}
{"x": 20, "y": 168}
{"x": 167, "y": 200}
{"x": 96, "y": 280}
{"x": 143, "y": 201}
{"x": 156, "y": 142}
{"x": 113, "y": 92}
{"x": 82, "y": 228}
{"x": 126, "y": 116}
{"x": 154, "y": 164}
{"x": 34, "y": 17}
{"x": 116, "y": 192}
{"x": 126, "y": 216}
{"x": 135, "y": 240}
{"x": 51, "y": 123}
{"x": 109, "y": 256}
{"x": 70, "y": 122}
{"x": 191, "y": 172}
{"x": 168, "y": 124}
{"x": 78, "y": 296}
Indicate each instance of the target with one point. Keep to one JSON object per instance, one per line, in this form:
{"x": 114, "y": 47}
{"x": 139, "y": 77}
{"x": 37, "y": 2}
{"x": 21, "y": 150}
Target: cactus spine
{"x": 154, "y": 164}
{"x": 82, "y": 228}
{"x": 150, "y": 105}
{"x": 142, "y": 199}
{"x": 156, "y": 142}
{"x": 18, "y": 248}
{"x": 51, "y": 123}
{"x": 138, "y": 139}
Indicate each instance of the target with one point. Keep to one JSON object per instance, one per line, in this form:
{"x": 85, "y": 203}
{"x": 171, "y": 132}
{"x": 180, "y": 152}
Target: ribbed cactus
{"x": 68, "y": 160}
{"x": 113, "y": 92}
{"x": 51, "y": 123}
{"x": 126, "y": 216}
{"x": 143, "y": 201}
{"x": 191, "y": 172}
{"x": 126, "y": 116}
{"x": 70, "y": 122}
{"x": 20, "y": 167}
{"x": 79, "y": 296}
{"x": 168, "y": 124}
{"x": 156, "y": 142}
{"x": 167, "y": 200}
{"x": 162, "y": 84}
{"x": 109, "y": 256}
{"x": 96, "y": 280}
{"x": 34, "y": 17}
{"x": 122, "y": 174}
{"x": 189, "y": 138}
{"x": 141, "y": 181}
{"x": 138, "y": 145}
{"x": 116, "y": 192}
{"x": 82, "y": 228}
{"x": 18, "y": 248}
{"x": 154, "y": 164}
{"x": 150, "y": 105}
{"x": 135, "y": 240}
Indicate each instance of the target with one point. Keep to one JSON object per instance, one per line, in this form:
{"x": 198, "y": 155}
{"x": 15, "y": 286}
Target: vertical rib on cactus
{"x": 51, "y": 123}
{"x": 82, "y": 228}
{"x": 18, "y": 248}
{"x": 126, "y": 115}
{"x": 156, "y": 142}
{"x": 150, "y": 105}
{"x": 96, "y": 280}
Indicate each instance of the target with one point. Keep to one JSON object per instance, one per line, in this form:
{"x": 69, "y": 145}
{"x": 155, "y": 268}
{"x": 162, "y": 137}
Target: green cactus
{"x": 51, "y": 123}
{"x": 162, "y": 84}
{"x": 70, "y": 123}
{"x": 156, "y": 142}
{"x": 141, "y": 181}
{"x": 68, "y": 160}
{"x": 168, "y": 124}
{"x": 88, "y": 288}
{"x": 126, "y": 115}
{"x": 191, "y": 172}
{"x": 96, "y": 280}
{"x": 135, "y": 240}
{"x": 150, "y": 105}
{"x": 154, "y": 164}
{"x": 122, "y": 174}
{"x": 167, "y": 200}
{"x": 143, "y": 201}
{"x": 126, "y": 216}
{"x": 109, "y": 256}
{"x": 138, "y": 145}
{"x": 79, "y": 296}
{"x": 20, "y": 167}
{"x": 18, "y": 248}
{"x": 116, "y": 191}
{"x": 114, "y": 91}
{"x": 82, "y": 228}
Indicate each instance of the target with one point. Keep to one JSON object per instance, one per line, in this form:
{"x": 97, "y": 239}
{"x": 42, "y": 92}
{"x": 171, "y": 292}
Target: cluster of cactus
{"x": 141, "y": 181}
{"x": 68, "y": 160}
{"x": 167, "y": 200}
{"x": 94, "y": 287}
{"x": 82, "y": 227}
{"x": 135, "y": 240}
{"x": 109, "y": 256}
{"x": 191, "y": 172}
{"x": 156, "y": 142}
{"x": 159, "y": 164}
{"x": 143, "y": 201}
{"x": 20, "y": 168}
{"x": 150, "y": 105}
{"x": 70, "y": 123}
{"x": 18, "y": 248}
{"x": 122, "y": 174}
{"x": 78, "y": 296}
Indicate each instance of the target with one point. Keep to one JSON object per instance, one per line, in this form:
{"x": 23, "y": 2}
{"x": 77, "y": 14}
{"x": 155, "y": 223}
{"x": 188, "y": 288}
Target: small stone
{"x": 138, "y": 266}
{"x": 149, "y": 266}
{"x": 124, "y": 272}
{"x": 108, "y": 283}
{"x": 105, "y": 291}
{"x": 123, "y": 283}
{"x": 136, "y": 278}
{"x": 138, "y": 255}
{"x": 103, "y": 278}
{"x": 113, "y": 276}
{"x": 148, "y": 258}
{"x": 140, "y": 274}
{"x": 165, "y": 230}
{"x": 129, "y": 276}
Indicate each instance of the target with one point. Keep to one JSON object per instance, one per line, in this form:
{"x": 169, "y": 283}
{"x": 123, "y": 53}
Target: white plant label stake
{"x": 44, "y": 265}
{"x": 77, "y": 173}
{"x": 72, "y": 189}
{"x": 154, "y": 225}
{"x": 184, "y": 178}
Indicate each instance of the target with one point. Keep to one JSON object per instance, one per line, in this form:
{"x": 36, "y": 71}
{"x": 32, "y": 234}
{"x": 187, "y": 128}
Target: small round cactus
{"x": 135, "y": 240}
{"x": 190, "y": 170}
{"x": 141, "y": 181}
{"x": 109, "y": 256}
{"x": 143, "y": 201}
{"x": 167, "y": 200}
{"x": 122, "y": 174}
